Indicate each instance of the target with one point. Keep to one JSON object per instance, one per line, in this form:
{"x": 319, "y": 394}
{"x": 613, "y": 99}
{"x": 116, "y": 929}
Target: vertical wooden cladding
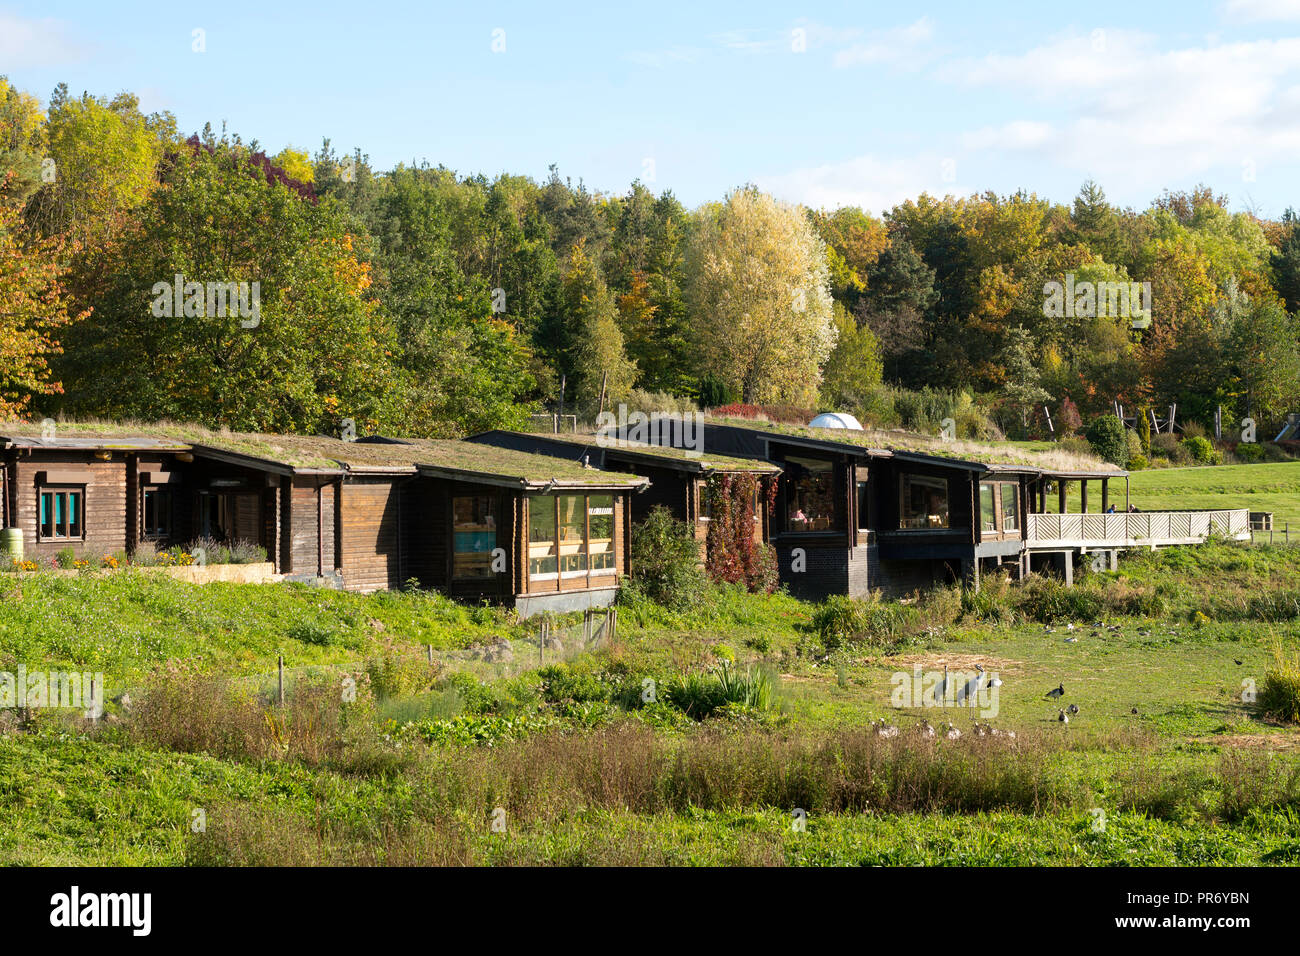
{"x": 370, "y": 533}
{"x": 311, "y": 525}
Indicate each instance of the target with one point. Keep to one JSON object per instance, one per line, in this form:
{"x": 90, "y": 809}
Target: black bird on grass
{"x": 1237, "y": 662}
{"x": 1073, "y": 709}
{"x": 1060, "y": 716}
{"x": 1056, "y": 692}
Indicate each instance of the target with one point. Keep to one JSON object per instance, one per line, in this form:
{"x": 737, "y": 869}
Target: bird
{"x": 994, "y": 682}
{"x": 1133, "y": 711}
{"x": 1060, "y": 716}
{"x": 926, "y": 729}
{"x": 1237, "y": 662}
{"x": 1071, "y": 640}
{"x": 885, "y": 730}
{"x": 1073, "y": 709}
{"x": 972, "y": 685}
{"x": 941, "y": 689}
{"x": 1056, "y": 692}
{"x": 952, "y": 733}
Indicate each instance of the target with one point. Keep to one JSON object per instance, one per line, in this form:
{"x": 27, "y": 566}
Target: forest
{"x": 425, "y": 301}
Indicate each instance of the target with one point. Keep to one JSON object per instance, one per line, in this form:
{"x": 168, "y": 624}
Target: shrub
{"x": 1200, "y": 449}
{"x": 664, "y": 563}
{"x": 396, "y": 673}
{"x": 65, "y": 558}
{"x": 1048, "y": 600}
{"x": 1138, "y": 462}
{"x": 844, "y": 620}
{"x": 1194, "y": 430}
{"x": 1134, "y": 444}
{"x": 561, "y": 682}
{"x": 1168, "y": 446}
{"x": 1279, "y": 695}
{"x": 1109, "y": 439}
{"x": 703, "y": 695}
{"x": 1144, "y": 429}
{"x": 1249, "y": 452}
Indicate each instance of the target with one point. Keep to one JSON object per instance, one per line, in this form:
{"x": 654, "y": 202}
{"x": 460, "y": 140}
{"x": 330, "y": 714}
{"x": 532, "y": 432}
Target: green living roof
{"x": 972, "y": 452}
{"x": 679, "y": 456}
{"x": 315, "y": 453}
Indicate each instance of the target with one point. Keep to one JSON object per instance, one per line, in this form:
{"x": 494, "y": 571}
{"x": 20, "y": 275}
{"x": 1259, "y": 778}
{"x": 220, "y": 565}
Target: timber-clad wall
{"x": 104, "y": 507}
{"x": 368, "y": 519}
{"x": 311, "y": 538}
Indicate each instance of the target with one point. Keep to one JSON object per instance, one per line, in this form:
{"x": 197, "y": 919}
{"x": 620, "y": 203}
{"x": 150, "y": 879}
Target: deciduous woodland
{"x": 425, "y": 301}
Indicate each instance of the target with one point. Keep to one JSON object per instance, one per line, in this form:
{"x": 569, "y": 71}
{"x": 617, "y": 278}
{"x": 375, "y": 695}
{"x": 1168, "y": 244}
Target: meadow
{"x": 734, "y": 731}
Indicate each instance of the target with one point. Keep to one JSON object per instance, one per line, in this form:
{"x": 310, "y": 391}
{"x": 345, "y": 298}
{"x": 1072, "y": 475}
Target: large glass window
{"x": 573, "y": 534}
{"x": 863, "y": 513}
{"x": 809, "y": 495}
{"x": 570, "y": 535}
{"x": 60, "y": 513}
{"x": 543, "y": 554}
{"x": 600, "y": 521}
{"x": 1010, "y": 507}
{"x": 474, "y": 533}
{"x": 156, "y": 512}
{"x": 988, "y": 507}
{"x": 925, "y": 502}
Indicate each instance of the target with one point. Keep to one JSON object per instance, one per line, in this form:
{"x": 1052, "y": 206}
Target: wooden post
{"x": 94, "y": 714}
{"x": 429, "y": 648}
{"x": 1060, "y": 495}
{"x": 1105, "y": 495}
{"x": 279, "y": 666}
{"x": 1083, "y": 494}
{"x": 604, "y": 381}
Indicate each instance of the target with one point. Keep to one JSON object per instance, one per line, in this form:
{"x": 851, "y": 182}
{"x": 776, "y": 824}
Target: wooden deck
{"x": 1141, "y": 529}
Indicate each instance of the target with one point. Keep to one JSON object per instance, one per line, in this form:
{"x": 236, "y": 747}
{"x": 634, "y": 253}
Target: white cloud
{"x": 1255, "y": 11}
{"x": 1130, "y": 108}
{"x": 32, "y": 42}
{"x": 896, "y": 45}
{"x": 871, "y": 182}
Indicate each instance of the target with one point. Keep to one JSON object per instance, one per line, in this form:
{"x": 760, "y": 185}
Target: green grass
{"x": 1165, "y": 777}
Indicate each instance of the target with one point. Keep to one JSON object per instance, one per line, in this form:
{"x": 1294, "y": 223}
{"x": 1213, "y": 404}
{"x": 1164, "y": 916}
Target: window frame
{"x": 493, "y": 511}
{"x": 557, "y": 543}
{"x": 931, "y": 481}
{"x": 155, "y": 535}
{"x": 55, "y": 491}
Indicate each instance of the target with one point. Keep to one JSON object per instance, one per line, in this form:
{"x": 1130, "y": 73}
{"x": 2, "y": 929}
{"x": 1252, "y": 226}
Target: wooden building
{"x": 679, "y": 478}
{"x": 852, "y": 518}
{"x": 474, "y": 521}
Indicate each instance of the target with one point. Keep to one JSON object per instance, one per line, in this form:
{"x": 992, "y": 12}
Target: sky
{"x": 824, "y": 104}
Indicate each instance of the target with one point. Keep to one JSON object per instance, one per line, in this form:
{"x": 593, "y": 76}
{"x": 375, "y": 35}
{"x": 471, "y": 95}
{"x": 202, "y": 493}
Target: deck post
{"x": 1105, "y": 494}
{"x": 970, "y": 574}
{"x": 1083, "y": 494}
{"x": 1060, "y": 494}
{"x": 1067, "y": 567}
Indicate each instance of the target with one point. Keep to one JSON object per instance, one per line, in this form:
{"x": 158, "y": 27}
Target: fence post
{"x": 279, "y": 666}
{"x": 429, "y": 648}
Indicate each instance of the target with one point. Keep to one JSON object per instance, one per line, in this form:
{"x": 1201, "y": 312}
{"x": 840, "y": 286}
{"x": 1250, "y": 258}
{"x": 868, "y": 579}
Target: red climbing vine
{"x": 732, "y": 552}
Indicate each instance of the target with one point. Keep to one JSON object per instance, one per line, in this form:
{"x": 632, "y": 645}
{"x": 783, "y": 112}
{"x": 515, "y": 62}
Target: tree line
{"x": 422, "y": 301}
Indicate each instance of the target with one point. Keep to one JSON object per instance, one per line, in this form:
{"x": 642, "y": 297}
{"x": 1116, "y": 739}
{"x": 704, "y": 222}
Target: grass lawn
{"x": 589, "y": 772}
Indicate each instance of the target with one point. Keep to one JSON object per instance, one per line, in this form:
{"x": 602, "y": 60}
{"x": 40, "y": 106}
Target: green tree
{"x": 599, "y": 358}
{"x": 853, "y": 370}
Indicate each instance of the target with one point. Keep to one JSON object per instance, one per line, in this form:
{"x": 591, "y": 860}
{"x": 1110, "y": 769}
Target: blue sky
{"x": 869, "y": 104}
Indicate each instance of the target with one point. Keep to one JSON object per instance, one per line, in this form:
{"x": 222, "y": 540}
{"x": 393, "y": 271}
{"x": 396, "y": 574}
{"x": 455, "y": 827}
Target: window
{"x": 570, "y": 536}
{"x": 600, "y": 521}
{"x": 863, "y": 514}
{"x": 474, "y": 535}
{"x": 988, "y": 508}
{"x": 925, "y": 502}
{"x": 156, "y": 513}
{"x": 543, "y": 555}
{"x": 573, "y": 534}
{"x": 809, "y": 495}
{"x": 1010, "y": 507}
{"x": 60, "y": 513}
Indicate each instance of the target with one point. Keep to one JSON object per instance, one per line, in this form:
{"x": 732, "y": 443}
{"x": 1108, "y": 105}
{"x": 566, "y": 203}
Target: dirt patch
{"x": 956, "y": 662}
{"x": 1252, "y": 741}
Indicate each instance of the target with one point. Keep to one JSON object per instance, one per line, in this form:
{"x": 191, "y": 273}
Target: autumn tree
{"x": 33, "y": 311}
{"x": 759, "y": 292}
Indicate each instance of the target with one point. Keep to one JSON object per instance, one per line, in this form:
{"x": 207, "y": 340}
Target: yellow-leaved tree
{"x": 758, "y": 289}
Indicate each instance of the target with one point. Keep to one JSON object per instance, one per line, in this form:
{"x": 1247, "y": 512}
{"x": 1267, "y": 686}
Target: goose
{"x": 952, "y": 733}
{"x": 1056, "y": 692}
{"x": 926, "y": 729}
{"x": 1060, "y": 716}
{"x": 1073, "y": 709}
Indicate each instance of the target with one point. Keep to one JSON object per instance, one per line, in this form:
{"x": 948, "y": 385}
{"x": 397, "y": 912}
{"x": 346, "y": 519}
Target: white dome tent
{"x": 835, "y": 420}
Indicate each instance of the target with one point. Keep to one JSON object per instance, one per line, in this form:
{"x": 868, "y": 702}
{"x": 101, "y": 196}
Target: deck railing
{"x": 1136, "y": 529}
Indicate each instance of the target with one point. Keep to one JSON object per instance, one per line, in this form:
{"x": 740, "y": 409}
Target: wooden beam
{"x": 1060, "y": 494}
{"x": 1105, "y": 494}
{"x": 1083, "y": 494}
